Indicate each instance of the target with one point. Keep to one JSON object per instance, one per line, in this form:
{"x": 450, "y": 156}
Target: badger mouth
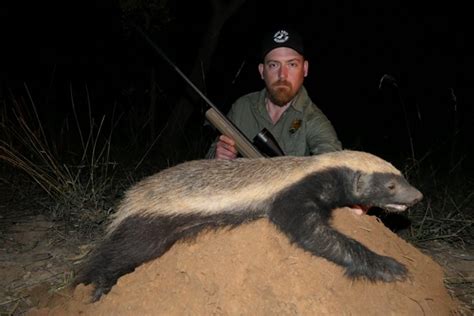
{"x": 396, "y": 208}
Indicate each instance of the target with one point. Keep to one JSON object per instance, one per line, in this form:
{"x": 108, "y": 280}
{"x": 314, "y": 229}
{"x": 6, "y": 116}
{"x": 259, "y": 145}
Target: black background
{"x": 350, "y": 46}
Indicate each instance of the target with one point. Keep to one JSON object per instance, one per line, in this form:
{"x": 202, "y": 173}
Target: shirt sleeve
{"x": 321, "y": 135}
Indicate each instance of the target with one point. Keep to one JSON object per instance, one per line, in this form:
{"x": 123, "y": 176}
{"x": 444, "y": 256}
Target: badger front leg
{"x": 308, "y": 227}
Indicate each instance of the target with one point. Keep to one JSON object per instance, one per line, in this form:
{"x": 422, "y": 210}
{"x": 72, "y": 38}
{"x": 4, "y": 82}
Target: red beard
{"x": 281, "y": 92}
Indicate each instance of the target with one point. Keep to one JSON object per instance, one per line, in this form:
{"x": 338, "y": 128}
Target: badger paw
{"x": 378, "y": 268}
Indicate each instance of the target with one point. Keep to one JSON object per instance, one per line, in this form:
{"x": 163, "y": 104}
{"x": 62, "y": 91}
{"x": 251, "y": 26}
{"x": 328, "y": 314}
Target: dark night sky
{"x": 349, "y": 45}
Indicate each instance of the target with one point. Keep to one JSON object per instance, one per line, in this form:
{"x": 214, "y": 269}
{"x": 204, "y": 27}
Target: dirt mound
{"x": 254, "y": 270}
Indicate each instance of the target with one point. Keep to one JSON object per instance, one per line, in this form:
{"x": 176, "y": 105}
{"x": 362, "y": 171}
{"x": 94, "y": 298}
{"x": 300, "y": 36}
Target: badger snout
{"x": 408, "y": 197}
{"x": 413, "y": 196}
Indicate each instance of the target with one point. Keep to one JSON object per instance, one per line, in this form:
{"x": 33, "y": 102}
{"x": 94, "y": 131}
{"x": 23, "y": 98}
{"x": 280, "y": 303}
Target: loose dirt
{"x": 254, "y": 270}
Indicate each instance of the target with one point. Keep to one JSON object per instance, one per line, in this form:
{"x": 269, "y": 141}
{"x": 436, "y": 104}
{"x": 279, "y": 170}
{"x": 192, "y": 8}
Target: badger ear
{"x": 361, "y": 182}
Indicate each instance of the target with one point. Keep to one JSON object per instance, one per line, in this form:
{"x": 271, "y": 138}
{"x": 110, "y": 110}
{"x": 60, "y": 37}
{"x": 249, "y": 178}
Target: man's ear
{"x": 305, "y": 67}
{"x": 260, "y": 70}
{"x": 360, "y": 183}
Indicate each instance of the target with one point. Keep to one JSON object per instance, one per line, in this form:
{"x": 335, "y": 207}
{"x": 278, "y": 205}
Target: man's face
{"x": 283, "y": 71}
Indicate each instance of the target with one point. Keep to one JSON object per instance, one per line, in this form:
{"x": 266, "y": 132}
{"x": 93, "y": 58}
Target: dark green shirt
{"x": 302, "y": 130}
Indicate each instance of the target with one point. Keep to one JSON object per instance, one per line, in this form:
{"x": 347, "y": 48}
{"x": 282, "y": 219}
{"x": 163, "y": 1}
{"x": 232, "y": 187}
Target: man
{"x": 283, "y": 107}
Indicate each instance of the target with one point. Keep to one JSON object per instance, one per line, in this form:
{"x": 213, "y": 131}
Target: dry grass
{"x": 79, "y": 185}
{"x": 447, "y": 210}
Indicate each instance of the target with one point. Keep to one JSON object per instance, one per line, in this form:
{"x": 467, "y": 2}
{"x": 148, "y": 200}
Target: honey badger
{"x": 297, "y": 194}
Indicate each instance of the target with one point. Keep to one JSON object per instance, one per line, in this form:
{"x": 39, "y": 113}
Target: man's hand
{"x": 225, "y": 148}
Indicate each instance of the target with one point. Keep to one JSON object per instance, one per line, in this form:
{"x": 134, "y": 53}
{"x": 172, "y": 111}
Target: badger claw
{"x": 378, "y": 268}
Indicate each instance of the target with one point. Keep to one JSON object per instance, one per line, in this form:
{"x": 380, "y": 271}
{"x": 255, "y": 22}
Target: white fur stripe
{"x": 217, "y": 185}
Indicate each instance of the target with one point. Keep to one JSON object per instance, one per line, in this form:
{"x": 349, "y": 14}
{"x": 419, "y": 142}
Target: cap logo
{"x": 281, "y": 36}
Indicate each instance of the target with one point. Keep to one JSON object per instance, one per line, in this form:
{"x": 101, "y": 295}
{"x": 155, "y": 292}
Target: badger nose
{"x": 418, "y": 196}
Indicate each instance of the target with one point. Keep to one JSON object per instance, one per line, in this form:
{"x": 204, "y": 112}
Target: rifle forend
{"x": 215, "y": 117}
{"x": 242, "y": 143}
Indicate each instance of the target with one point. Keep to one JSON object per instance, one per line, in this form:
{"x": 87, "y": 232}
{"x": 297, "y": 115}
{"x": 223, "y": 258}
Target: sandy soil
{"x": 254, "y": 270}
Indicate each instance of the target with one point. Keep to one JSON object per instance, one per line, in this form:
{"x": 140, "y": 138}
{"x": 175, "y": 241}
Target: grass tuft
{"x": 79, "y": 185}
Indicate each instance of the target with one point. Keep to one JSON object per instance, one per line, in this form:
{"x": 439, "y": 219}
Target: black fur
{"x": 302, "y": 212}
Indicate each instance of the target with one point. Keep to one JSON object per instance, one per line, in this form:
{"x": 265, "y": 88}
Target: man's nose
{"x": 283, "y": 73}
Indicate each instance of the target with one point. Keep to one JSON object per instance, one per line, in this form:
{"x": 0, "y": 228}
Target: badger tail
{"x": 135, "y": 241}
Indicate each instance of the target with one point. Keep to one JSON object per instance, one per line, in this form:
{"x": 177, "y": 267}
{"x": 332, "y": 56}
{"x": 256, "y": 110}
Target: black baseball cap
{"x": 282, "y": 37}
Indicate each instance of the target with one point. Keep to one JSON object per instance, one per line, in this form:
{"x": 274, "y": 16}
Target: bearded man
{"x": 283, "y": 107}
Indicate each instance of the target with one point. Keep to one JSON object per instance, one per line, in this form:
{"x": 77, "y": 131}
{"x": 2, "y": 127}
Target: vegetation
{"x": 446, "y": 212}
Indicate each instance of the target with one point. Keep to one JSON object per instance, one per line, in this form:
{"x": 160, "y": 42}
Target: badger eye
{"x": 391, "y": 186}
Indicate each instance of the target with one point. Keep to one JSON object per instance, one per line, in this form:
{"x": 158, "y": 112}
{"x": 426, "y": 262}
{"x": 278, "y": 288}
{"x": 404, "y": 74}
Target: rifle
{"x": 264, "y": 144}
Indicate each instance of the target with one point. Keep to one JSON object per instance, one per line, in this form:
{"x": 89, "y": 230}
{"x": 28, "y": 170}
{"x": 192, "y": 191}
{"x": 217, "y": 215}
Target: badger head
{"x": 388, "y": 191}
